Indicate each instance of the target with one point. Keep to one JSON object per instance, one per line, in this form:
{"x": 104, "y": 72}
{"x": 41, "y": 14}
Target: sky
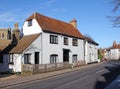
{"x": 91, "y": 16}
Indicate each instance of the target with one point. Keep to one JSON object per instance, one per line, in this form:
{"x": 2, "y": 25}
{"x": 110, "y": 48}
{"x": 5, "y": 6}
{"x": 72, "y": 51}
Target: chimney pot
{"x": 114, "y": 44}
{"x": 74, "y": 23}
{"x": 16, "y": 25}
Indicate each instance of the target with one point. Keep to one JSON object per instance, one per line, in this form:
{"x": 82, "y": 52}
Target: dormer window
{"x": 29, "y": 23}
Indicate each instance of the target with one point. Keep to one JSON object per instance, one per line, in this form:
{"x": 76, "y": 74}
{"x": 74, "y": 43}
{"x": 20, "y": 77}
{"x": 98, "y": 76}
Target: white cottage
{"x": 113, "y": 52}
{"x": 47, "y": 40}
{"x": 91, "y": 50}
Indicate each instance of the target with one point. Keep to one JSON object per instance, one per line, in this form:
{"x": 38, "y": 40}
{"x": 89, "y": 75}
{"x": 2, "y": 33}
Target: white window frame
{"x": 74, "y": 58}
{"x": 75, "y": 42}
{"x": 66, "y": 42}
{"x": 53, "y": 58}
{"x": 53, "y": 39}
{"x": 27, "y": 58}
{"x": 30, "y": 23}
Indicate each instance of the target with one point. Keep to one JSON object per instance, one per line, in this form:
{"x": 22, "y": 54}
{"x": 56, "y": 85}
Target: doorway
{"x": 65, "y": 55}
{"x": 36, "y": 57}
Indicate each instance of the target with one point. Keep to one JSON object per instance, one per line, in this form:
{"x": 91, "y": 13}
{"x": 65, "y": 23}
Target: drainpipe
{"x": 85, "y": 50}
{"x": 41, "y": 50}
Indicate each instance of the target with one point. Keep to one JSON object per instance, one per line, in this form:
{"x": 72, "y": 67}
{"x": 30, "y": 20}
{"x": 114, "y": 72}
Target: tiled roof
{"x": 90, "y": 40}
{"x": 4, "y": 44}
{"x": 56, "y": 26}
{"x": 117, "y": 46}
{"x": 24, "y": 42}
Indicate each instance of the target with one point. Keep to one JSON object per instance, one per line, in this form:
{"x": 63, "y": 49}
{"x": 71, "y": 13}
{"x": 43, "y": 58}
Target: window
{"x": 75, "y": 42}
{"x": 29, "y": 23}
{"x": 27, "y": 58}
{"x": 2, "y": 35}
{"x": 53, "y": 58}
{"x": 74, "y": 57}
{"x": 53, "y": 39}
{"x": 65, "y": 41}
{"x": 11, "y": 57}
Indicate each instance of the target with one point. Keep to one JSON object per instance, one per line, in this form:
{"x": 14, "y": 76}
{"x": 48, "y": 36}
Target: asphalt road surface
{"x": 95, "y": 77}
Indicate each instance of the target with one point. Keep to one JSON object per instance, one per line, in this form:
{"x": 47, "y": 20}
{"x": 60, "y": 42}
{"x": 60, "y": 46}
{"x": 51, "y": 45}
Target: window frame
{"x": 53, "y": 58}
{"x": 27, "y": 58}
{"x": 30, "y": 23}
{"x": 3, "y": 36}
{"x": 75, "y": 42}
{"x": 66, "y": 42}
{"x": 53, "y": 39}
{"x": 74, "y": 58}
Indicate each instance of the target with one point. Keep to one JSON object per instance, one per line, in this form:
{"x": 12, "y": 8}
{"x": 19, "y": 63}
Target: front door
{"x": 36, "y": 57}
{"x": 65, "y": 55}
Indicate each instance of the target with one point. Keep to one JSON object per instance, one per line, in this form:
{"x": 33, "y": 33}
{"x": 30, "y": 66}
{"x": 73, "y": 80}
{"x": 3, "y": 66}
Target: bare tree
{"x": 117, "y": 5}
{"x": 115, "y": 19}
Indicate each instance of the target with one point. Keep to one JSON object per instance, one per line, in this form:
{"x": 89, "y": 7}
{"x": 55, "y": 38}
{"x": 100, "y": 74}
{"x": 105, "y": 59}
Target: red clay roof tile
{"x": 23, "y": 43}
{"x": 56, "y": 26}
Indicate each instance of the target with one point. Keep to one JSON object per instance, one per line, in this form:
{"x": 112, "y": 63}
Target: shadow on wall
{"x": 108, "y": 77}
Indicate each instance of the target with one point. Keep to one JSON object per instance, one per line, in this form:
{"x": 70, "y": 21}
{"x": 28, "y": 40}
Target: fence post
{"x": 33, "y": 68}
{"x": 45, "y": 68}
{"x": 56, "y": 66}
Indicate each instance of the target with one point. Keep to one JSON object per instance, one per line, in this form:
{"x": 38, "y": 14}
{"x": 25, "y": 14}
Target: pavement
{"x": 16, "y": 80}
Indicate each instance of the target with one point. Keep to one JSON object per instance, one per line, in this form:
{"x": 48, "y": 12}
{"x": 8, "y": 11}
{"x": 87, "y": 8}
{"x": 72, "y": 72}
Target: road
{"x": 94, "y": 77}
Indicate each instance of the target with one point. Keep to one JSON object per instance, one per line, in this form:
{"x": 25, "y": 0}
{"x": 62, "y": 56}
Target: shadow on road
{"x": 108, "y": 77}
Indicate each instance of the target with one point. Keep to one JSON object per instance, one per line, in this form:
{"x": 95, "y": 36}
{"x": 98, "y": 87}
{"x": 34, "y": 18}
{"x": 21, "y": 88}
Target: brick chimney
{"x": 114, "y": 44}
{"x": 16, "y": 33}
{"x": 74, "y": 23}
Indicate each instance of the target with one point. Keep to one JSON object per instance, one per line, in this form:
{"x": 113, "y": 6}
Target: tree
{"x": 117, "y": 5}
{"x": 100, "y": 54}
{"x": 115, "y": 19}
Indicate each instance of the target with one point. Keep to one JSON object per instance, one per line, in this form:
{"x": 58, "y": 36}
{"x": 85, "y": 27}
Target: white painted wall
{"x": 91, "y": 52}
{"x": 34, "y": 47}
{"x": 18, "y": 59}
{"x": 115, "y": 54}
{"x": 108, "y": 54}
{"x": 49, "y": 49}
{"x": 35, "y": 28}
{"x": 16, "y": 66}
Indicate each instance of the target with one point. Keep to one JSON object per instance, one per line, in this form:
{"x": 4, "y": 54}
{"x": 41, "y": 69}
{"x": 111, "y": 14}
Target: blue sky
{"x": 91, "y": 15}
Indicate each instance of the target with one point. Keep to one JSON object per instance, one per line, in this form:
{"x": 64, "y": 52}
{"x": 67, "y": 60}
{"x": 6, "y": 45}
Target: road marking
{"x": 77, "y": 80}
{"x": 101, "y": 70}
{"x": 70, "y": 83}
